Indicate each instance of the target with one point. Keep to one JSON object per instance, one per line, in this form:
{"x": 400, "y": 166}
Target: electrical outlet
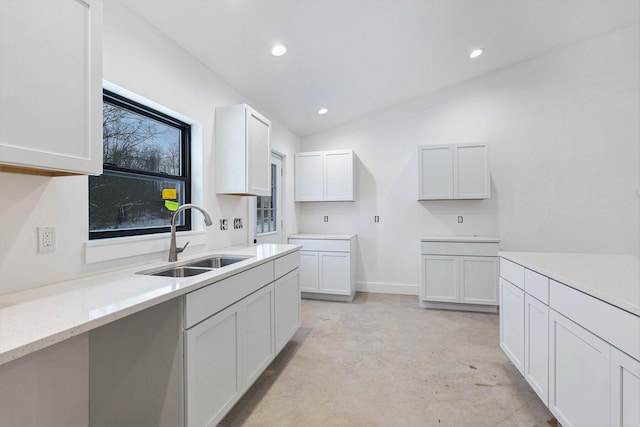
{"x": 376, "y": 218}
{"x": 46, "y": 239}
{"x": 326, "y": 219}
{"x": 223, "y": 225}
{"x": 237, "y": 223}
{"x": 460, "y": 219}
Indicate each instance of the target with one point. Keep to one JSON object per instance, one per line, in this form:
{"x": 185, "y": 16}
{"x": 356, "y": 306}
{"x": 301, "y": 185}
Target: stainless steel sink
{"x": 184, "y": 271}
{"x": 217, "y": 262}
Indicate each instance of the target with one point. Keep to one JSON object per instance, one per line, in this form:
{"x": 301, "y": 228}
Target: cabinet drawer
{"x": 459, "y": 248}
{"x": 322, "y": 245}
{"x": 211, "y": 299}
{"x": 536, "y": 285}
{"x": 618, "y": 327}
{"x": 287, "y": 263}
{"x": 512, "y": 272}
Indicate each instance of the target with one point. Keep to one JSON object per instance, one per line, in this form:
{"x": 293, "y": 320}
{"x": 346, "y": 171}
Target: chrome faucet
{"x": 173, "y": 249}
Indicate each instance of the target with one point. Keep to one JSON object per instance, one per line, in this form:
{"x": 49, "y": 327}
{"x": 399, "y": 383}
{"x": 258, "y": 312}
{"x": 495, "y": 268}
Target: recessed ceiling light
{"x": 278, "y": 49}
{"x": 475, "y": 53}
{"x": 323, "y": 110}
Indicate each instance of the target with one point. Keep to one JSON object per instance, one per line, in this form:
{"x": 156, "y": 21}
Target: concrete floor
{"x": 383, "y": 361}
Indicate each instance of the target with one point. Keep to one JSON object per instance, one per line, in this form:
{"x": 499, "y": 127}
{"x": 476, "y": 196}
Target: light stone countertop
{"x": 611, "y": 278}
{"x": 323, "y": 236}
{"x": 33, "y": 319}
{"x": 471, "y": 239}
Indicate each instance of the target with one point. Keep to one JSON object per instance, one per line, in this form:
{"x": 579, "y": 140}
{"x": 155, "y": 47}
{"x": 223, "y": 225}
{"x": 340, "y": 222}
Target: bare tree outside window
{"x": 145, "y": 152}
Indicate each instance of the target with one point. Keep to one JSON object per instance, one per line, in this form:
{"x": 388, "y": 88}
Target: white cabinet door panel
{"x": 259, "y": 341}
{"x": 536, "y": 347}
{"x": 479, "y": 280}
{"x": 258, "y": 154}
{"x": 471, "y": 172}
{"x": 435, "y": 172}
{"x": 51, "y": 85}
{"x": 309, "y": 273}
{"x": 287, "y": 304}
{"x": 625, "y": 390}
{"x": 335, "y": 273}
{"x": 579, "y": 374}
{"x": 309, "y": 181}
{"x": 338, "y": 176}
{"x": 441, "y": 279}
{"x": 213, "y": 381}
{"x": 512, "y": 323}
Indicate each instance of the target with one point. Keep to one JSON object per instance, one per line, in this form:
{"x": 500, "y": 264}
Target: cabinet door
{"x": 440, "y": 276}
{"x": 338, "y": 176}
{"x": 51, "y": 80}
{"x": 625, "y": 390}
{"x": 512, "y": 323}
{"x": 287, "y": 308}
{"x": 579, "y": 374}
{"x": 536, "y": 346}
{"x": 309, "y": 273}
{"x": 479, "y": 280}
{"x": 309, "y": 181}
{"x": 435, "y": 172}
{"x": 471, "y": 172}
{"x": 258, "y": 154}
{"x": 212, "y": 369}
{"x": 258, "y": 319}
{"x": 335, "y": 273}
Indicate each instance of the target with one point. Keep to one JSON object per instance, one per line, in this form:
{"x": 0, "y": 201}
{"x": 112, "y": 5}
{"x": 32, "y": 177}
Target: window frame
{"x": 185, "y": 166}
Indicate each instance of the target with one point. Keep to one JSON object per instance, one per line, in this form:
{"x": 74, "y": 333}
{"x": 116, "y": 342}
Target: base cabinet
{"x": 327, "y": 269}
{"x": 625, "y": 390}
{"x": 579, "y": 366}
{"x": 459, "y": 274}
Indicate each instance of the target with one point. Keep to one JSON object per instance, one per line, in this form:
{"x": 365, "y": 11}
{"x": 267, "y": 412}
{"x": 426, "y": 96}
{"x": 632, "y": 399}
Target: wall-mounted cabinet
{"x": 51, "y": 80}
{"x": 324, "y": 176}
{"x": 243, "y": 155}
{"x": 453, "y": 171}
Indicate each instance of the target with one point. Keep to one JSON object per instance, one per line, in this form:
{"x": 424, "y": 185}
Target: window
{"x": 267, "y": 212}
{"x": 146, "y": 171}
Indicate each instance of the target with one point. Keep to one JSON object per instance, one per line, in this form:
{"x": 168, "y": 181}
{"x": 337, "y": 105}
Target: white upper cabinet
{"x": 324, "y": 176}
{"x": 51, "y": 86}
{"x": 453, "y": 171}
{"x": 243, "y": 156}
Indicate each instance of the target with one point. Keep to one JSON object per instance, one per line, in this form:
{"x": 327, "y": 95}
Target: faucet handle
{"x": 179, "y": 250}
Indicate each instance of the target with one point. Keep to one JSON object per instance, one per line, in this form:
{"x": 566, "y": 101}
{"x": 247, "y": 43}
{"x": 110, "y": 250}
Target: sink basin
{"x": 185, "y": 271}
{"x": 216, "y": 262}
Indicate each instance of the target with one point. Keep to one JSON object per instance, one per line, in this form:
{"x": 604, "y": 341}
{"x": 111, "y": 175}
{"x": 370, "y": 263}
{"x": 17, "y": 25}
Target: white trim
{"x": 387, "y": 288}
{"x": 130, "y": 246}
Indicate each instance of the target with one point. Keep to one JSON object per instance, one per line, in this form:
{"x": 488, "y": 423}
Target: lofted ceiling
{"x": 358, "y": 56}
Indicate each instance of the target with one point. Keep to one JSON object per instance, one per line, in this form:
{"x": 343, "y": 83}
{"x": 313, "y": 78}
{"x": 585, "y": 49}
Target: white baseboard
{"x": 387, "y": 288}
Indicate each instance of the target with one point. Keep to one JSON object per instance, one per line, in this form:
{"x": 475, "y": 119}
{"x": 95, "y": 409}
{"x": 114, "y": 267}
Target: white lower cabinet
{"x": 536, "y": 346}
{"x": 287, "y": 308}
{"x": 579, "y": 373}
{"x": 212, "y": 367}
{"x": 512, "y": 323}
{"x": 461, "y": 273}
{"x": 258, "y": 347}
{"x": 625, "y": 390}
{"x": 327, "y": 268}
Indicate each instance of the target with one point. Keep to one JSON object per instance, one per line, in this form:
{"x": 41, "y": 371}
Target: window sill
{"x": 125, "y": 247}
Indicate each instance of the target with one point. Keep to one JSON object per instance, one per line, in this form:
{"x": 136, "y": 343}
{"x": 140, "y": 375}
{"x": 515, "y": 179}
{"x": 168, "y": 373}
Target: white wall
{"x": 140, "y": 59}
{"x": 563, "y": 137}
